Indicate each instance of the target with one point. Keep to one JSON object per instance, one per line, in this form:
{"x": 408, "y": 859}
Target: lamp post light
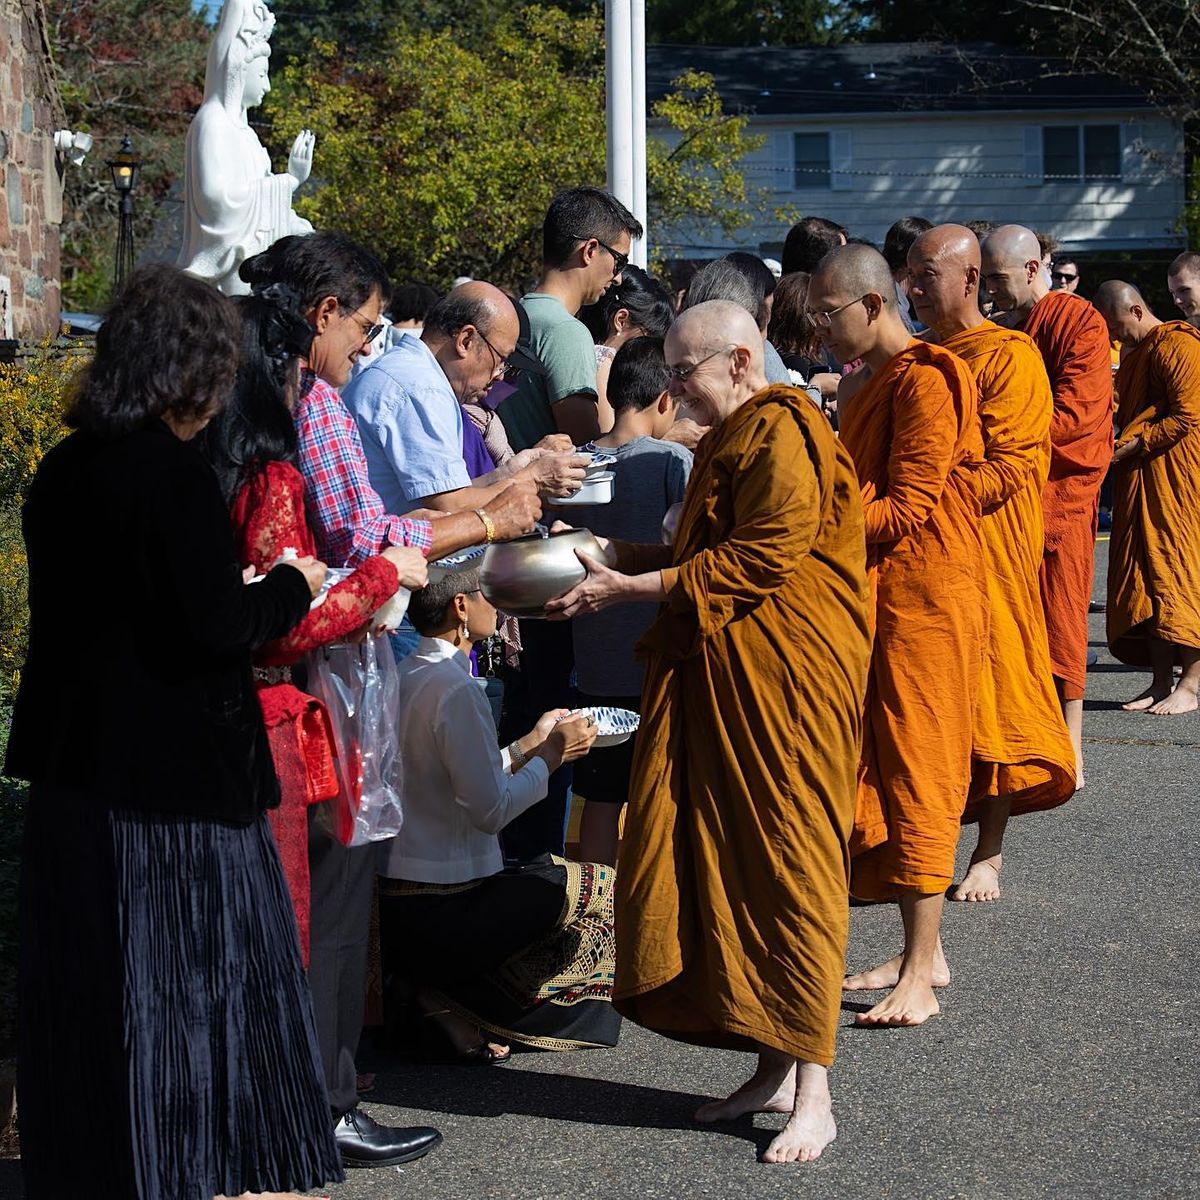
{"x": 124, "y": 168}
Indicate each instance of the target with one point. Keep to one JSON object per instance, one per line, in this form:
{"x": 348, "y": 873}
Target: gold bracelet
{"x": 489, "y": 526}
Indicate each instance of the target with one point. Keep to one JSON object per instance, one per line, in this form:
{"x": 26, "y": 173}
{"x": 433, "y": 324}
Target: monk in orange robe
{"x": 1074, "y": 345}
{"x": 908, "y": 417}
{"x": 1154, "y": 556}
{"x": 732, "y": 901}
{"x": 1022, "y": 757}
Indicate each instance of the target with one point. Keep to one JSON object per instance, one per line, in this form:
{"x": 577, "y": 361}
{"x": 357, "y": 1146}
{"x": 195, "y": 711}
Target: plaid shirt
{"x": 346, "y": 515}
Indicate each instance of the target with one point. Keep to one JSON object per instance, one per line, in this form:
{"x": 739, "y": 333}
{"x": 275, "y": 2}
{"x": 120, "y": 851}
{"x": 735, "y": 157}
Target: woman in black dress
{"x": 161, "y": 992}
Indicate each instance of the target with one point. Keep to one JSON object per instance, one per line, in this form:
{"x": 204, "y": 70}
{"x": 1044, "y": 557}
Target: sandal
{"x": 483, "y": 1055}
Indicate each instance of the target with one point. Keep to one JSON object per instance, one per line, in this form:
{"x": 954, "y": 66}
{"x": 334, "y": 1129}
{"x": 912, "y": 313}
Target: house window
{"x": 811, "y": 160}
{"x": 1081, "y": 152}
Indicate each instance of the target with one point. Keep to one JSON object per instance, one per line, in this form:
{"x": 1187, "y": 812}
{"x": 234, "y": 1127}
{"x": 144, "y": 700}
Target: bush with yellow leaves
{"x": 33, "y": 401}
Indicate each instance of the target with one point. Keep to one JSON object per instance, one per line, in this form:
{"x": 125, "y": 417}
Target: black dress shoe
{"x": 365, "y": 1143}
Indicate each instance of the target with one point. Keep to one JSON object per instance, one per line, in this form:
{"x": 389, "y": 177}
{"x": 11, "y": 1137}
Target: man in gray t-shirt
{"x": 651, "y": 477}
{"x": 586, "y": 239}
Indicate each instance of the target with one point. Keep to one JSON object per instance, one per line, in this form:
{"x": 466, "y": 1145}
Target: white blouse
{"x": 459, "y": 790}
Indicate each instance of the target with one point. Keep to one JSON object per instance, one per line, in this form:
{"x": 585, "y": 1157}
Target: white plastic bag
{"x": 360, "y": 687}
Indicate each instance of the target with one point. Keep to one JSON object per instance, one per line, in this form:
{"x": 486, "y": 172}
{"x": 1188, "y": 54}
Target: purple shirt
{"x": 475, "y": 452}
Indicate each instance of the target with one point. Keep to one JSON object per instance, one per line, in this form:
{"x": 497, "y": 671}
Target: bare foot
{"x": 764, "y": 1091}
{"x": 911, "y": 1003}
{"x": 887, "y": 975}
{"x": 1181, "y": 700}
{"x": 809, "y": 1130}
{"x": 981, "y": 882}
{"x": 1151, "y": 696}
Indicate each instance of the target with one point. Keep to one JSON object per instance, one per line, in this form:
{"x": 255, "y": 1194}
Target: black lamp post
{"x": 124, "y": 168}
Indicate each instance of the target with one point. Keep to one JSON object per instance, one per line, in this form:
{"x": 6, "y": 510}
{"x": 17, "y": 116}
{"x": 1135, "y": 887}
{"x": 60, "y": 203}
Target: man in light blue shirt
{"x": 408, "y": 405}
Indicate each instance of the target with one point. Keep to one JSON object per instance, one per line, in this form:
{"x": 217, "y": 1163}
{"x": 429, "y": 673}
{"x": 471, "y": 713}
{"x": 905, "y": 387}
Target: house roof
{"x": 888, "y": 77}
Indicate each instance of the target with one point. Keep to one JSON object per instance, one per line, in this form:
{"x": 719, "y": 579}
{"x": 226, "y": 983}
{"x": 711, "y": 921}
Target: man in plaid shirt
{"x": 345, "y": 512}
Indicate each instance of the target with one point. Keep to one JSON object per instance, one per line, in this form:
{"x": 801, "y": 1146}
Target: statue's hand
{"x": 300, "y": 159}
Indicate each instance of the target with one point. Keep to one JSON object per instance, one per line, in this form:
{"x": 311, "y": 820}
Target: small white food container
{"x": 596, "y": 489}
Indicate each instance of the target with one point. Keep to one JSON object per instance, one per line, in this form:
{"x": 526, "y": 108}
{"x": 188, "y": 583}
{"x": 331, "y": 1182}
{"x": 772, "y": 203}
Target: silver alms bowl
{"x": 518, "y": 577}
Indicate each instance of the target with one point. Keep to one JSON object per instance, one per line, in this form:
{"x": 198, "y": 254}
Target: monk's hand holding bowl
{"x": 602, "y": 587}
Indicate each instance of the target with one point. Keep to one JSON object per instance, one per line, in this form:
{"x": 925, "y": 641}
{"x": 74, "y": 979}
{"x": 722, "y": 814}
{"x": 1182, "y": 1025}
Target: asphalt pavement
{"x": 1063, "y": 1064}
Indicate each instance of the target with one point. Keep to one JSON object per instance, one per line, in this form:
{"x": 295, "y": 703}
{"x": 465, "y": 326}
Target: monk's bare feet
{"x": 771, "y": 1089}
{"x": 912, "y": 1002}
{"x": 981, "y": 882}
{"x": 809, "y": 1130}
{"x": 887, "y": 975}
{"x": 1181, "y": 700}
{"x": 1151, "y": 696}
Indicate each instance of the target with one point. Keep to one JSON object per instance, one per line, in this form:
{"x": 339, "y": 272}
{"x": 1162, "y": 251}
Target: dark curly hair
{"x": 169, "y": 345}
{"x": 317, "y": 265}
{"x": 256, "y": 426}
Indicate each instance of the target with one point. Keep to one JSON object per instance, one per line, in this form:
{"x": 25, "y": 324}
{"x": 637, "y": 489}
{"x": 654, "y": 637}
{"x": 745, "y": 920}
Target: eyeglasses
{"x": 502, "y": 365}
{"x": 1063, "y": 277}
{"x": 824, "y": 320}
{"x": 620, "y": 261}
{"x": 683, "y": 374}
{"x": 369, "y": 332}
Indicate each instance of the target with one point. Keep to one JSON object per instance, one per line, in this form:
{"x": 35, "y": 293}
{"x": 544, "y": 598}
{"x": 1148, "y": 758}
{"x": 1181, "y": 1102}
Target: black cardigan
{"x": 138, "y": 687}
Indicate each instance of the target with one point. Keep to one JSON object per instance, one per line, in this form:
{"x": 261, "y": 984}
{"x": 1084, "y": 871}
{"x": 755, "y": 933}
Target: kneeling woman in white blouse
{"x": 493, "y": 955}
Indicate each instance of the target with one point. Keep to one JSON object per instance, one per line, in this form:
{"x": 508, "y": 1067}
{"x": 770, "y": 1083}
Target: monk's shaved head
{"x": 1183, "y": 281}
{"x": 1125, "y": 311}
{"x": 943, "y": 279}
{"x": 1012, "y": 246}
{"x": 1115, "y": 295}
{"x": 855, "y": 270}
{"x": 713, "y": 325}
{"x": 717, "y": 348}
{"x": 1012, "y": 271}
{"x": 948, "y": 244}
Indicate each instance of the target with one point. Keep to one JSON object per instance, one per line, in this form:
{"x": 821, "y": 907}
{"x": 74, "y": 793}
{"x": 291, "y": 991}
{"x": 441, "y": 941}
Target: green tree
{"x": 445, "y": 158}
{"x": 737, "y": 23}
{"x": 124, "y": 66}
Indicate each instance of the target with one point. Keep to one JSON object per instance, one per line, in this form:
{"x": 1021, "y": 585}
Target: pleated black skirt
{"x": 166, "y": 1040}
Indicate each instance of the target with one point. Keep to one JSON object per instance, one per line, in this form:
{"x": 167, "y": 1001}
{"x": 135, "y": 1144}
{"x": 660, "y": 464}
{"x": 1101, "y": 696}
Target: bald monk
{"x": 1153, "y": 609}
{"x": 1183, "y": 282}
{"x": 1074, "y": 345}
{"x": 911, "y": 426}
{"x": 1022, "y": 755}
{"x": 732, "y": 889}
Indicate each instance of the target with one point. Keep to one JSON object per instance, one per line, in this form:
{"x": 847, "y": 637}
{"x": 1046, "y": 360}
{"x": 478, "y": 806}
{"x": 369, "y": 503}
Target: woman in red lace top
{"x": 252, "y": 447}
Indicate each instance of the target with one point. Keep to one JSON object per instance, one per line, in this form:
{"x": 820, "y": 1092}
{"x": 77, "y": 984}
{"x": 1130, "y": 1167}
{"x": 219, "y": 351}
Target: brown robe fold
{"x": 1154, "y": 554}
{"x": 913, "y": 432}
{"x": 1021, "y": 747}
{"x": 1073, "y": 341}
{"x": 732, "y": 890}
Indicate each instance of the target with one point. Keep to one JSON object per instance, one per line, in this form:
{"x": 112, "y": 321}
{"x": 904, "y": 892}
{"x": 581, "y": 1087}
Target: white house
{"x": 867, "y": 134}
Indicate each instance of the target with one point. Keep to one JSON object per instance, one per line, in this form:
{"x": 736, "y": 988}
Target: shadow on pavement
{"x": 504, "y": 1091}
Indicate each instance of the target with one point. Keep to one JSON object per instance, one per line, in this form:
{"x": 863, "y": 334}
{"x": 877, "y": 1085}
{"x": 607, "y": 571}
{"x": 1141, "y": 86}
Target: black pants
{"x": 543, "y": 683}
{"x": 342, "y": 881}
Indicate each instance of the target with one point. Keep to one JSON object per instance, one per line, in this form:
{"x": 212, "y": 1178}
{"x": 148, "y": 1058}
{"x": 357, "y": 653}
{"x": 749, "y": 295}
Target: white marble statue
{"x": 235, "y": 206}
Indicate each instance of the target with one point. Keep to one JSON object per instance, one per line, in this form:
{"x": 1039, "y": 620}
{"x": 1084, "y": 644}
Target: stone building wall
{"x": 30, "y": 187}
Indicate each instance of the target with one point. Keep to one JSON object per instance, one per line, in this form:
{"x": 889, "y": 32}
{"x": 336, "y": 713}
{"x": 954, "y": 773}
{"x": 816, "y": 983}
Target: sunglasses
{"x": 620, "y": 261}
{"x": 369, "y": 332}
{"x": 1063, "y": 277}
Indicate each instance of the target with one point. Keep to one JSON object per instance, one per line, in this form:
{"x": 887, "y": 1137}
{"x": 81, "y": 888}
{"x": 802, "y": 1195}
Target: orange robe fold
{"x": 1073, "y": 341}
{"x": 913, "y": 432}
{"x": 732, "y": 894}
{"x": 1154, "y": 554}
{"x": 1021, "y": 745}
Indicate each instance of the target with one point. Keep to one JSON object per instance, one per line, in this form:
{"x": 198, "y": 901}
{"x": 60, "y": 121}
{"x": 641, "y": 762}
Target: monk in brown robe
{"x": 1074, "y": 345}
{"x": 908, "y": 417}
{"x": 1022, "y": 756}
{"x": 1153, "y": 609}
{"x": 732, "y": 900}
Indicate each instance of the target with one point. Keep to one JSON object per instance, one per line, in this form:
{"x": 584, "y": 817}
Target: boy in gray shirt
{"x": 651, "y": 476}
